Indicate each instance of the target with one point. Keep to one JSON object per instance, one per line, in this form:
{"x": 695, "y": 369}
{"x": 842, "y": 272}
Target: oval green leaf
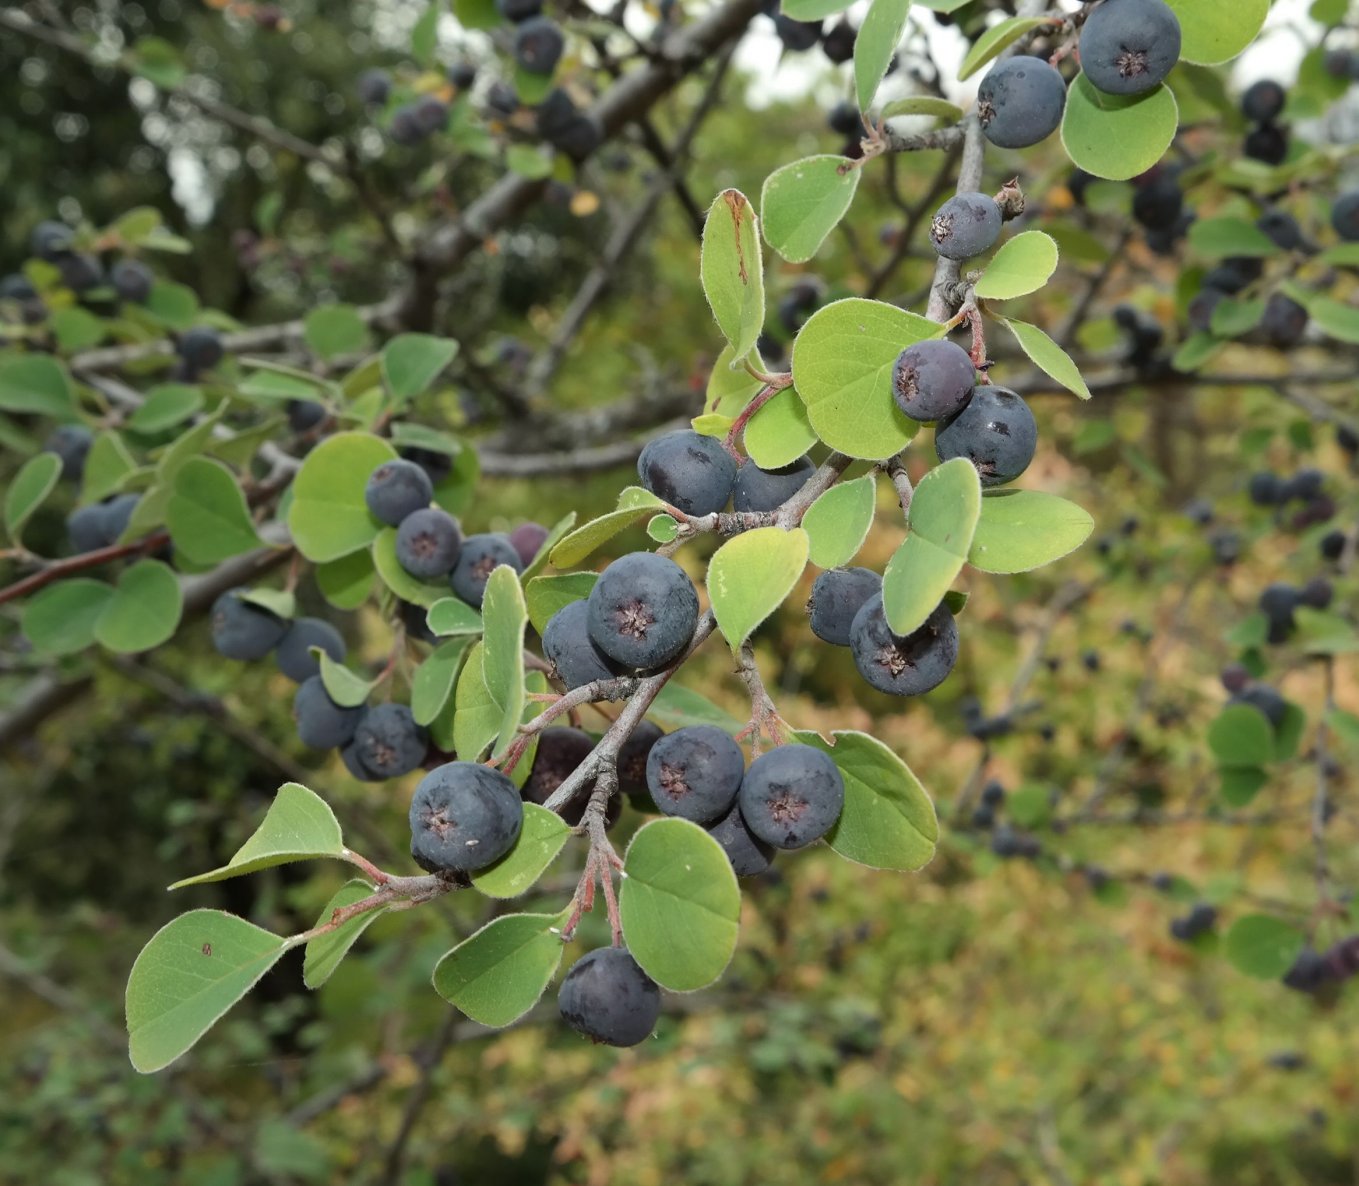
{"x": 1048, "y": 357}
{"x": 732, "y": 270}
{"x": 107, "y": 464}
{"x": 1117, "y": 137}
{"x": 504, "y": 617}
{"x": 207, "y": 515}
{"x": 1020, "y": 530}
{"x": 944, "y": 513}
{"x": 1241, "y": 736}
{"x": 888, "y": 821}
{"x": 1022, "y": 265}
{"x": 61, "y": 619}
{"x": 633, "y": 503}
{"x": 144, "y": 610}
{"x": 750, "y": 575}
{"x": 346, "y": 582}
{"x": 497, "y": 975}
{"x": 397, "y": 579}
{"x": 194, "y": 969}
{"x": 453, "y": 616}
{"x": 996, "y": 39}
{"x": 1217, "y": 238}
{"x": 333, "y": 330}
{"x": 165, "y": 406}
{"x": 842, "y": 369}
{"x": 476, "y": 715}
{"x": 433, "y": 681}
{"x": 36, "y": 383}
{"x": 1215, "y": 31}
{"x": 541, "y": 838}
{"x": 36, "y": 479}
{"x": 323, "y": 954}
{"x": 779, "y": 433}
{"x": 680, "y": 905}
{"x": 546, "y": 595}
{"x": 802, "y": 202}
{"x": 411, "y": 362}
{"x": 299, "y": 825}
{"x": 329, "y": 517}
{"x": 877, "y": 41}
{"x": 343, "y": 686}
{"x": 837, "y": 523}
{"x": 1262, "y": 946}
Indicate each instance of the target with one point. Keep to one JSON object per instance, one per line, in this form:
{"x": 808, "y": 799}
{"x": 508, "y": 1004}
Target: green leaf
{"x": 279, "y": 602}
{"x": 541, "y": 557}
{"x": 1263, "y": 947}
{"x": 1212, "y": 32}
{"x": 345, "y": 687}
{"x": 453, "y": 616}
{"x": 877, "y": 41}
{"x": 888, "y": 821}
{"x": 36, "y": 383}
{"x": 411, "y": 362}
{"x": 158, "y": 61}
{"x": 1022, "y": 265}
{"x": 1117, "y": 136}
{"x": 663, "y": 529}
{"x": 812, "y": 10}
{"x": 36, "y": 479}
{"x": 207, "y": 514}
{"x": 476, "y": 715}
{"x": 77, "y": 329}
{"x": 497, "y": 975}
{"x": 1218, "y": 238}
{"x": 1334, "y": 318}
{"x": 334, "y": 330}
{"x": 133, "y": 226}
{"x": 106, "y": 465}
{"x": 751, "y": 574}
{"x": 837, "y": 523}
{"x": 329, "y": 517}
{"x": 324, "y": 953}
{"x": 922, "y": 105}
{"x": 679, "y": 905}
{"x": 633, "y": 503}
{"x": 397, "y": 579}
{"x": 1324, "y": 632}
{"x": 732, "y": 269}
{"x": 191, "y": 972}
{"x": 144, "y": 610}
{"x": 434, "y": 679}
{"x": 1233, "y": 317}
{"x": 1241, "y": 736}
{"x": 801, "y": 203}
{"x": 425, "y": 33}
{"x": 1240, "y": 784}
{"x": 504, "y": 617}
{"x": 995, "y": 40}
{"x": 730, "y": 390}
{"x": 546, "y": 595}
{"x": 61, "y": 619}
{"x": 1020, "y": 530}
{"x": 780, "y": 432}
{"x": 476, "y": 14}
{"x": 943, "y": 518}
{"x": 298, "y": 826}
{"x": 166, "y": 405}
{"x": 678, "y": 706}
{"x": 1047, "y": 356}
{"x": 346, "y": 582}
{"x": 1030, "y": 806}
{"x": 541, "y": 838}
{"x": 174, "y": 305}
{"x": 842, "y": 368}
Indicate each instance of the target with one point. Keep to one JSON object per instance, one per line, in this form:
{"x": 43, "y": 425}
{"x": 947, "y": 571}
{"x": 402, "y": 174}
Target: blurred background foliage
{"x": 985, "y": 1020}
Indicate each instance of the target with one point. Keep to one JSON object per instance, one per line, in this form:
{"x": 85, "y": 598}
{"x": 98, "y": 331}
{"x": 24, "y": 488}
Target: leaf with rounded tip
{"x": 546, "y": 595}
{"x": 842, "y": 369}
{"x": 1020, "y": 530}
{"x": 1218, "y": 238}
{"x": 299, "y": 825}
{"x": 663, "y": 529}
{"x": 144, "y": 610}
{"x": 61, "y": 619}
{"x": 922, "y": 105}
{"x": 1022, "y": 265}
{"x": 543, "y": 835}
{"x": 1213, "y": 32}
{"x": 1117, "y": 136}
{"x": 801, "y": 203}
{"x": 1240, "y": 735}
{"x": 888, "y": 821}
{"x": 411, "y": 362}
{"x": 397, "y": 579}
{"x": 1334, "y": 318}
{"x": 779, "y": 433}
{"x": 279, "y": 602}
{"x": 504, "y": 616}
{"x": 36, "y": 479}
{"x": 433, "y": 681}
{"x": 452, "y": 616}
{"x": 496, "y": 975}
{"x": 346, "y": 582}
{"x": 751, "y": 575}
{"x": 837, "y": 523}
{"x": 1047, "y": 356}
{"x": 191, "y": 972}
{"x": 680, "y": 905}
{"x": 943, "y": 518}
{"x": 333, "y": 330}
{"x": 1240, "y": 784}
{"x": 1262, "y": 946}
{"x": 343, "y": 686}
{"x": 207, "y": 515}
{"x": 542, "y": 557}
{"x": 995, "y": 41}
{"x": 882, "y": 27}
{"x": 633, "y": 503}
{"x": 323, "y": 954}
{"x": 329, "y": 517}
{"x": 731, "y": 267}
{"x": 36, "y": 383}
{"x": 1324, "y": 632}
{"x": 165, "y": 406}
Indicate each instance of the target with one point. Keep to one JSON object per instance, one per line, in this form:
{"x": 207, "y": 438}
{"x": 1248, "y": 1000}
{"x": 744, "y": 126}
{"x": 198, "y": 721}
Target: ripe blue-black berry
{"x": 837, "y": 596}
{"x": 1128, "y": 46}
{"x": 388, "y": 743}
{"x": 689, "y": 471}
{"x": 463, "y": 816}
{"x": 964, "y": 226}
{"x": 294, "y": 655}
{"x": 1020, "y": 102}
{"x": 321, "y": 723}
{"x": 428, "y": 543}
{"x": 642, "y": 611}
{"x": 903, "y": 666}
{"x": 242, "y": 630}
{"x": 996, "y": 432}
{"x": 792, "y": 796}
{"x": 397, "y": 489}
{"x": 695, "y": 772}
{"x": 480, "y": 556}
{"x": 759, "y": 489}
{"x": 932, "y": 380}
{"x": 607, "y": 997}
